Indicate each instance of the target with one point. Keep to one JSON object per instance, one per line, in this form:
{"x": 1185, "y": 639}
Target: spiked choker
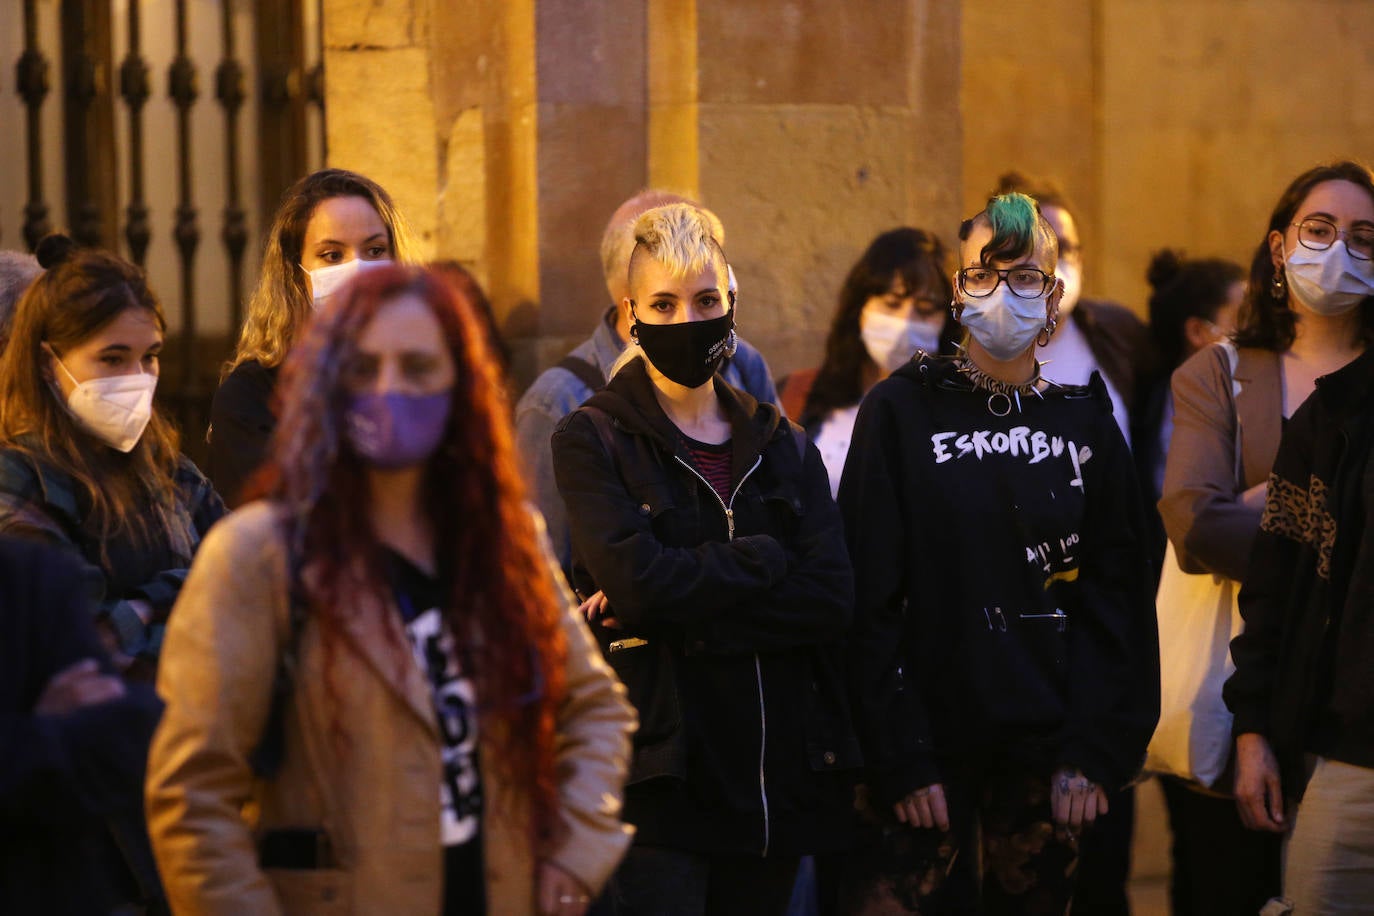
{"x": 1001, "y": 395}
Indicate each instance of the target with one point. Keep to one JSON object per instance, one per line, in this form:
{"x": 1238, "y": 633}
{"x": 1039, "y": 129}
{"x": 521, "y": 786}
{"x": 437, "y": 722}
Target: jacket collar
{"x": 629, "y": 399}
{"x": 1347, "y": 389}
{"x": 373, "y": 629}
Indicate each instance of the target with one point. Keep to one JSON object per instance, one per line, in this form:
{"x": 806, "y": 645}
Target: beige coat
{"x": 1211, "y": 529}
{"x": 378, "y": 796}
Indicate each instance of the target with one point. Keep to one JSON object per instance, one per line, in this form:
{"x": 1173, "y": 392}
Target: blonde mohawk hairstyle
{"x": 678, "y": 236}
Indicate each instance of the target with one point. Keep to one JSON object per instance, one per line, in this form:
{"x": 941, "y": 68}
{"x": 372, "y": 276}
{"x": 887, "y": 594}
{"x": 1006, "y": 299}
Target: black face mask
{"x": 688, "y": 353}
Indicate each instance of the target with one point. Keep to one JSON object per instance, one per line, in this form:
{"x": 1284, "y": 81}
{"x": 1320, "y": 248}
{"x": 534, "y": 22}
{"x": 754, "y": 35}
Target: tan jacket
{"x": 377, "y": 796}
{"x": 1210, "y": 528}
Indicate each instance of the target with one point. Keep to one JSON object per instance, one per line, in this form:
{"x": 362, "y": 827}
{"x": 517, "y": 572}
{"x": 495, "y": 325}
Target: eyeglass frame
{"x": 1342, "y": 234}
{"x": 1047, "y": 281}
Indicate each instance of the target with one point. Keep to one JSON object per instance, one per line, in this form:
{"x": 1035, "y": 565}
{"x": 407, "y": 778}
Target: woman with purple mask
{"x": 402, "y": 691}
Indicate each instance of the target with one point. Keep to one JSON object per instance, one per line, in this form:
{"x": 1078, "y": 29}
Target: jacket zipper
{"x": 729, "y": 510}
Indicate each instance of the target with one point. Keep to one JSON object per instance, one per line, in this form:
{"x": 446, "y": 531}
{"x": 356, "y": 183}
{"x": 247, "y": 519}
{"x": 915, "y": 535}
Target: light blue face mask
{"x": 1003, "y": 323}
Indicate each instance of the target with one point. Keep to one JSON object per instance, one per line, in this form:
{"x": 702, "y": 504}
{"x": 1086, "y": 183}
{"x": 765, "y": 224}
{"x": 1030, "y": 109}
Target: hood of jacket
{"x": 630, "y": 401}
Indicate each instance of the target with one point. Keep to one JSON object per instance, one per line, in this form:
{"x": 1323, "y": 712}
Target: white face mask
{"x": 1003, "y": 323}
{"x": 115, "y": 409}
{"x": 1329, "y": 282}
{"x": 891, "y": 341}
{"x": 1072, "y": 275}
{"x": 328, "y": 280}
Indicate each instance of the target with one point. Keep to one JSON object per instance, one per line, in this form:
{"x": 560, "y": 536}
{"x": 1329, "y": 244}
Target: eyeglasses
{"x": 1024, "y": 282}
{"x": 1320, "y": 234}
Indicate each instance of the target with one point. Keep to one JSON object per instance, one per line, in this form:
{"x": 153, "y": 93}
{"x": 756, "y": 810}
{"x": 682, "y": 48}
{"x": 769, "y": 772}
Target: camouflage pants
{"x": 1001, "y": 854}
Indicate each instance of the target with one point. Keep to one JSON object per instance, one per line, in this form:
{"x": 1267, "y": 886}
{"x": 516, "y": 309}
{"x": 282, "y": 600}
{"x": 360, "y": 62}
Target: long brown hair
{"x": 80, "y": 293}
{"x": 280, "y": 304}
{"x": 501, "y": 599}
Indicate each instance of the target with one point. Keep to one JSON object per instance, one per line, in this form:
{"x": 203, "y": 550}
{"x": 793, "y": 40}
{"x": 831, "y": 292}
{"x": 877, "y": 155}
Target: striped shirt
{"x": 713, "y": 463}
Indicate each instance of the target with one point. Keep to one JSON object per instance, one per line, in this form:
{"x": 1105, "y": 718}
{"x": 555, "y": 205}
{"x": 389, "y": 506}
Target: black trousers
{"x": 1104, "y": 868}
{"x": 655, "y": 881}
{"x": 1220, "y": 867}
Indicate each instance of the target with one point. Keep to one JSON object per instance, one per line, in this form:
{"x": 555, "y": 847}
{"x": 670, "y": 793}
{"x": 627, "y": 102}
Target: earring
{"x": 1278, "y": 287}
{"x": 634, "y": 336}
{"x": 732, "y": 345}
{"x": 1043, "y": 338}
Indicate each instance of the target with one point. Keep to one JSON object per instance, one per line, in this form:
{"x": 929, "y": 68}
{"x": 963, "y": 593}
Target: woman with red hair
{"x": 378, "y": 697}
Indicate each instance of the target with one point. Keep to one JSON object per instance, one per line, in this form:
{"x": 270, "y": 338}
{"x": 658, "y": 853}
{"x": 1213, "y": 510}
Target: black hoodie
{"x": 730, "y": 618}
{"x": 1003, "y": 603}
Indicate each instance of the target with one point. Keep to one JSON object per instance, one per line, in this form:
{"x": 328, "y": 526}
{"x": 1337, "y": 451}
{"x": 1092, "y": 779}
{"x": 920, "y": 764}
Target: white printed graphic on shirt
{"x": 455, "y": 703}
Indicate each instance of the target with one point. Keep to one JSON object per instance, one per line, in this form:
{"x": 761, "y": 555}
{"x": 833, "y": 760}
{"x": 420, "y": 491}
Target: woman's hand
{"x": 924, "y": 807}
{"x": 75, "y": 686}
{"x": 1254, "y": 497}
{"x": 1259, "y": 794}
{"x": 1075, "y": 800}
{"x": 560, "y": 894}
{"x": 597, "y": 607}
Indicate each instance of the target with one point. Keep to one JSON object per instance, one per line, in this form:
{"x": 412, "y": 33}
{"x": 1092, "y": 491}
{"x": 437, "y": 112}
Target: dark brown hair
{"x": 923, "y": 263}
{"x": 1184, "y": 288}
{"x": 1266, "y": 321}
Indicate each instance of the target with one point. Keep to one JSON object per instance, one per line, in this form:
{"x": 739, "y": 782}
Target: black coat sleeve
{"x": 890, "y": 713}
{"x": 241, "y": 425}
{"x": 814, "y": 602}
{"x": 647, "y": 582}
{"x": 1276, "y": 560}
{"x": 89, "y": 762}
{"x": 1113, "y": 642}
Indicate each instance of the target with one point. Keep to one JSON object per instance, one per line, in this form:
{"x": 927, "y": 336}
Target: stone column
{"x": 508, "y": 130}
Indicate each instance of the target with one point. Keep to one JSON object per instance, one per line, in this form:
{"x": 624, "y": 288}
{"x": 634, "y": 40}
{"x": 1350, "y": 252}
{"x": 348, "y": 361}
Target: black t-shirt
{"x": 419, "y": 597}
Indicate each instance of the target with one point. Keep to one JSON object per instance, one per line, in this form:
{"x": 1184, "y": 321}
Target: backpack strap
{"x": 584, "y": 371}
{"x": 266, "y": 758}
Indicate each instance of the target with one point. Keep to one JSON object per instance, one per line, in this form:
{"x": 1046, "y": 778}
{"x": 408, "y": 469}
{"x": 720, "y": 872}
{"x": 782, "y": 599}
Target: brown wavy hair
{"x": 502, "y": 602}
{"x": 280, "y": 305}
{"x": 1266, "y": 320}
{"x": 72, "y": 300}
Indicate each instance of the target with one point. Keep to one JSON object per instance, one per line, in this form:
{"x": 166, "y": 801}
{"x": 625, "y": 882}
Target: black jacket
{"x": 241, "y": 425}
{"x": 71, "y": 786}
{"x": 1003, "y": 604}
{"x": 741, "y": 612}
{"x": 1304, "y": 673}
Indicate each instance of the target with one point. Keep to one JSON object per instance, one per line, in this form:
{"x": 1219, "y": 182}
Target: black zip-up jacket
{"x": 730, "y": 618}
{"x": 1003, "y": 604}
{"x": 1304, "y": 673}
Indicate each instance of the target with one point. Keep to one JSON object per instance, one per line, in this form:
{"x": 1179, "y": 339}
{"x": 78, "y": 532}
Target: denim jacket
{"x": 557, "y": 393}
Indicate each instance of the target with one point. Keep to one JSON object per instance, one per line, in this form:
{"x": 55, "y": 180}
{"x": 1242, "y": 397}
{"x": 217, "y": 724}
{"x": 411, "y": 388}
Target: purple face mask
{"x": 394, "y": 430}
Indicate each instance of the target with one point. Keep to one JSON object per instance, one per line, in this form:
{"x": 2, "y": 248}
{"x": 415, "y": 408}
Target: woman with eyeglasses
{"x": 1301, "y": 689}
{"x": 1003, "y": 658}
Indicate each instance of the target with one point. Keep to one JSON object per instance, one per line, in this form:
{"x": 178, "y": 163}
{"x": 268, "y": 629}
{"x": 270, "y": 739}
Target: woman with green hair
{"x": 1004, "y": 656}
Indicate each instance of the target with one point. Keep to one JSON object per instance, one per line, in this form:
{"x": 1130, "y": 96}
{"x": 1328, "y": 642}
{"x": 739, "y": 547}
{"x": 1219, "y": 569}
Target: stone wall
{"x": 1169, "y": 122}
{"x": 509, "y": 130}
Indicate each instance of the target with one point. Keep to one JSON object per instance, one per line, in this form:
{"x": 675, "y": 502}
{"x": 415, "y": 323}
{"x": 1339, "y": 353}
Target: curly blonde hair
{"x": 280, "y": 304}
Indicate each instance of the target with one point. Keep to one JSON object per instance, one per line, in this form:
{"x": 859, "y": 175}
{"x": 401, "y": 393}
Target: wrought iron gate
{"x": 105, "y": 146}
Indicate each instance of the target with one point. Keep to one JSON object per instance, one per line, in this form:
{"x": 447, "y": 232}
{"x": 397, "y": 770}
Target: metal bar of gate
{"x": 183, "y": 91}
{"x": 230, "y": 92}
{"x": 31, "y": 78}
{"x": 135, "y": 88}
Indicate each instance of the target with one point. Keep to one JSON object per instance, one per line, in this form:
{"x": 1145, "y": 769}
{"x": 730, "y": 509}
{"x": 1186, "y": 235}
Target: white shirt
{"x": 832, "y": 441}
{"x": 1070, "y": 361}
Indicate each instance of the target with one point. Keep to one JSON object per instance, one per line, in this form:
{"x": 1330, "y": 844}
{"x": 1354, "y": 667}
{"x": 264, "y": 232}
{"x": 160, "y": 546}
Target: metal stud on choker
{"x": 1002, "y": 394}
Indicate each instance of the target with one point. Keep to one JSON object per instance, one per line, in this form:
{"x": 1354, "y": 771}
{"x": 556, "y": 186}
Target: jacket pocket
{"x": 648, "y": 669}
{"x": 311, "y": 890}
